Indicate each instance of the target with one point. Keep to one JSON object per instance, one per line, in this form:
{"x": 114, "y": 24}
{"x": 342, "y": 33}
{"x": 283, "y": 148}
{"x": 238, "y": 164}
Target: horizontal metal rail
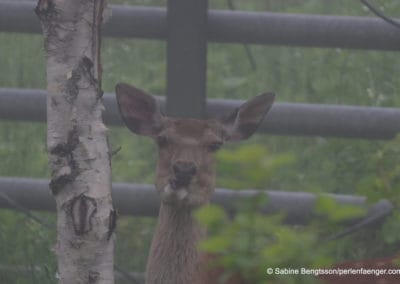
{"x": 283, "y": 119}
{"x": 142, "y": 200}
{"x": 232, "y": 27}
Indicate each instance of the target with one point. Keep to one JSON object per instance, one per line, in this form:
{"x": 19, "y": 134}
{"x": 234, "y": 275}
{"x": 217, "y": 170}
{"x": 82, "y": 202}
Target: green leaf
{"x": 210, "y": 215}
{"x": 217, "y": 244}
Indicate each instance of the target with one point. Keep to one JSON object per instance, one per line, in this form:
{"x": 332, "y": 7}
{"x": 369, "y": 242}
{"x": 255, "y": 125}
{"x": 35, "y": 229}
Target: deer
{"x": 185, "y": 178}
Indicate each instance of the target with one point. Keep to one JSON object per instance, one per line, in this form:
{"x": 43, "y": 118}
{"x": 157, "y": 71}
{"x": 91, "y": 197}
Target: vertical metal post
{"x": 186, "y": 58}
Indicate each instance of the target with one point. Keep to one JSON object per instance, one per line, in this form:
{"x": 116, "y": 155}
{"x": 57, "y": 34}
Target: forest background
{"x": 310, "y": 164}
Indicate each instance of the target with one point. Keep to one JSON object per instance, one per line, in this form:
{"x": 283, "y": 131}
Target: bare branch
{"x": 128, "y": 276}
{"x": 25, "y": 211}
{"x": 376, "y": 216}
{"x": 247, "y": 48}
{"x": 115, "y": 151}
{"x": 380, "y": 14}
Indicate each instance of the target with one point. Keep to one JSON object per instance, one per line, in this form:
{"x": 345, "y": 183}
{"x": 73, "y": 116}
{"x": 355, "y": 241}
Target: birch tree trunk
{"x": 77, "y": 145}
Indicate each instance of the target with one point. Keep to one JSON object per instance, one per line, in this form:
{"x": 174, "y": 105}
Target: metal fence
{"x": 284, "y": 118}
{"x": 188, "y": 26}
{"x": 230, "y": 27}
{"x": 142, "y": 200}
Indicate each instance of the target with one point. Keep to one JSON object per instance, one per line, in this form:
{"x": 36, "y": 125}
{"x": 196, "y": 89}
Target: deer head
{"x": 185, "y": 170}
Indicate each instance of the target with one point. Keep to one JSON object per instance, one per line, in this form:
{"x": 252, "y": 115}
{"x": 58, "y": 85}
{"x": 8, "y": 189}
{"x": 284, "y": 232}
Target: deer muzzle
{"x": 183, "y": 174}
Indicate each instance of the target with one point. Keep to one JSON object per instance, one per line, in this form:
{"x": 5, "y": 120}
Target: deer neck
{"x": 174, "y": 257}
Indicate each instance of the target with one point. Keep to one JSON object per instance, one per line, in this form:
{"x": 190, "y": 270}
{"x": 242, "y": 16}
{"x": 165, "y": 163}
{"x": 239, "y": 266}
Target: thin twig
{"x": 247, "y": 48}
{"x": 25, "y": 211}
{"x": 364, "y": 223}
{"x": 126, "y": 275}
{"x": 115, "y": 151}
{"x": 380, "y": 14}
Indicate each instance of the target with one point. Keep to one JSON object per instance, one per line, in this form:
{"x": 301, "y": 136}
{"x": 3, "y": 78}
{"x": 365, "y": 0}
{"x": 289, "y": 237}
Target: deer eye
{"x": 161, "y": 141}
{"x": 215, "y": 146}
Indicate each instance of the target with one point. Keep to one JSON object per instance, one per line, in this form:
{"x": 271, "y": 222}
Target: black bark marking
{"x": 65, "y": 149}
{"x": 45, "y": 10}
{"x": 84, "y": 69}
{"x": 93, "y": 276}
{"x": 81, "y": 211}
{"x": 87, "y": 68}
{"x": 86, "y": 65}
{"x": 112, "y": 223}
{"x": 54, "y": 102}
{"x": 59, "y": 182}
{"x": 64, "y": 153}
{"x": 96, "y": 43}
{"x": 72, "y": 88}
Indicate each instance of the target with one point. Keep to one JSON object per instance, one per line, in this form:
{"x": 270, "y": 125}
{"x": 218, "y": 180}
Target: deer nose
{"x": 184, "y": 171}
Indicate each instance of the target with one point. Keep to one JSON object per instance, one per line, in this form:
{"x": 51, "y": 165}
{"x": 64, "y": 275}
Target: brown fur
{"x": 174, "y": 257}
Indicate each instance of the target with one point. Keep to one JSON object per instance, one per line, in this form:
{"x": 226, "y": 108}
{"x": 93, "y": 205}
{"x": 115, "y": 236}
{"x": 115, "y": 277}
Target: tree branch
{"x": 25, "y": 211}
{"x": 380, "y": 14}
{"x": 247, "y": 48}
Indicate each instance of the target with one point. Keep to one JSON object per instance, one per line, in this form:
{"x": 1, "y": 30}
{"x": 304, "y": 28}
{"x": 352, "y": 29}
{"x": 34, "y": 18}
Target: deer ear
{"x": 139, "y": 110}
{"x": 244, "y": 121}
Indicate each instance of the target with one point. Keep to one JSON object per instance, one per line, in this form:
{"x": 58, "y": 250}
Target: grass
{"x": 296, "y": 74}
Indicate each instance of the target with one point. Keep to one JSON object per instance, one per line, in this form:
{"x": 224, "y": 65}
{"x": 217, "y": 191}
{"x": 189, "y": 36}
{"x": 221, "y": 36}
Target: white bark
{"x": 77, "y": 140}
